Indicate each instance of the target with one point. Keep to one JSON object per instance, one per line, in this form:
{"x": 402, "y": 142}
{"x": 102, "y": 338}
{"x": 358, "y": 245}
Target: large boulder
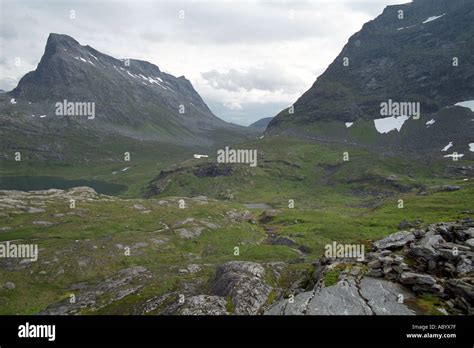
{"x": 394, "y": 241}
{"x": 411, "y": 278}
{"x": 425, "y": 247}
{"x": 244, "y": 283}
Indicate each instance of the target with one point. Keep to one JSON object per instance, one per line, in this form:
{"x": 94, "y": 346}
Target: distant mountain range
{"x": 421, "y": 53}
{"x": 261, "y": 124}
{"x": 131, "y": 98}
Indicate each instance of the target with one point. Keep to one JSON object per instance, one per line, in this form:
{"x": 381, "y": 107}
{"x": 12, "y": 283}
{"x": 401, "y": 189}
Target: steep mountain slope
{"x": 132, "y": 99}
{"x": 420, "y": 52}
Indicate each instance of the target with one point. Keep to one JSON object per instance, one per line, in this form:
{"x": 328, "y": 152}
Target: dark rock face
{"x": 387, "y": 62}
{"x": 403, "y": 60}
{"x": 213, "y": 170}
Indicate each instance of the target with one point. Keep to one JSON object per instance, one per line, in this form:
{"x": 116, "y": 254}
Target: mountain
{"x": 132, "y": 99}
{"x": 261, "y": 124}
{"x": 249, "y": 236}
{"x": 425, "y": 57}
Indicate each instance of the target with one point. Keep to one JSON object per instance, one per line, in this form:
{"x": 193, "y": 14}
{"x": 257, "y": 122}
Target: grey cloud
{"x": 8, "y": 33}
{"x": 267, "y": 78}
{"x": 7, "y": 83}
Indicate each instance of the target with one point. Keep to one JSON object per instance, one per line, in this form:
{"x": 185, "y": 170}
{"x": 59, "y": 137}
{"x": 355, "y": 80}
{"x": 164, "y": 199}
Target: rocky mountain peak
{"x": 60, "y": 41}
{"x": 127, "y": 94}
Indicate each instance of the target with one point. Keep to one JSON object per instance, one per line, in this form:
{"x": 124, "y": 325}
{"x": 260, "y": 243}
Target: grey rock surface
{"x": 395, "y": 240}
{"x": 350, "y": 296}
{"x": 244, "y": 282}
{"x": 201, "y": 305}
{"x": 125, "y": 282}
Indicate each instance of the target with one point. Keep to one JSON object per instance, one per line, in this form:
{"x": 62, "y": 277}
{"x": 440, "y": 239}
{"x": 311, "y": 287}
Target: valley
{"x": 175, "y": 251}
{"x": 141, "y": 201}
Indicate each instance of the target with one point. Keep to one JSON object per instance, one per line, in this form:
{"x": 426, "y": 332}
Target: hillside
{"x": 419, "y": 53}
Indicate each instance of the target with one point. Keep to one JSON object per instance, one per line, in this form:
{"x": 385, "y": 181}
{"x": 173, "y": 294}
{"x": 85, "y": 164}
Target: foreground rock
{"x": 402, "y": 267}
{"x": 350, "y": 296}
{"x": 395, "y": 240}
{"x": 127, "y": 281}
{"x": 200, "y": 305}
{"x": 244, "y": 283}
{"x": 435, "y": 260}
{"x": 239, "y": 287}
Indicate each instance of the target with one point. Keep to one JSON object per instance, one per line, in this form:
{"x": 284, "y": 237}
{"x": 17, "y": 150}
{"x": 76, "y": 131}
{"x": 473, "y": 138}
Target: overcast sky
{"x": 247, "y": 59}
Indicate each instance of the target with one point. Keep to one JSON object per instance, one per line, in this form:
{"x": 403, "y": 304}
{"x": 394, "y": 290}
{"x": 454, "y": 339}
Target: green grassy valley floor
{"x": 360, "y": 200}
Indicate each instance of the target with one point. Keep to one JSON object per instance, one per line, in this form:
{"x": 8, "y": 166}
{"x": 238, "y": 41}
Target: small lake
{"x": 34, "y": 183}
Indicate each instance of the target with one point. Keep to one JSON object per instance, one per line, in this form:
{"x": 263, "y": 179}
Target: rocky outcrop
{"x": 395, "y": 240}
{"x": 191, "y": 228}
{"x": 244, "y": 283}
{"x": 125, "y": 282}
{"x": 353, "y": 295}
{"x": 34, "y": 202}
{"x": 238, "y": 287}
{"x": 235, "y": 216}
{"x": 200, "y": 305}
{"x": 436, "y": 260}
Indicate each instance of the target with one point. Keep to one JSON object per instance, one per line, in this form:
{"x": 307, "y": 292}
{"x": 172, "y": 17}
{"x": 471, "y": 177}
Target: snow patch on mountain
{"x": 388, "y": 124}
{"x": 433, "y": 18}
{"x": 402, "y": 28}
{"x": 466, "y": 104}
{"x": 455, "y": 155}
{"x": 197, "y": 156}
{"x": 447, "y": 147}
{"x": 430, "y": 123}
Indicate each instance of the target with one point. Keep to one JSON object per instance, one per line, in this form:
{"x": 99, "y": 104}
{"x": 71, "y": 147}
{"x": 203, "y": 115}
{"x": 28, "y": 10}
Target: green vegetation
{"x": 331, "y": 277}
{"x": 347, "y": 202}
{"x": 429, "y": 304}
